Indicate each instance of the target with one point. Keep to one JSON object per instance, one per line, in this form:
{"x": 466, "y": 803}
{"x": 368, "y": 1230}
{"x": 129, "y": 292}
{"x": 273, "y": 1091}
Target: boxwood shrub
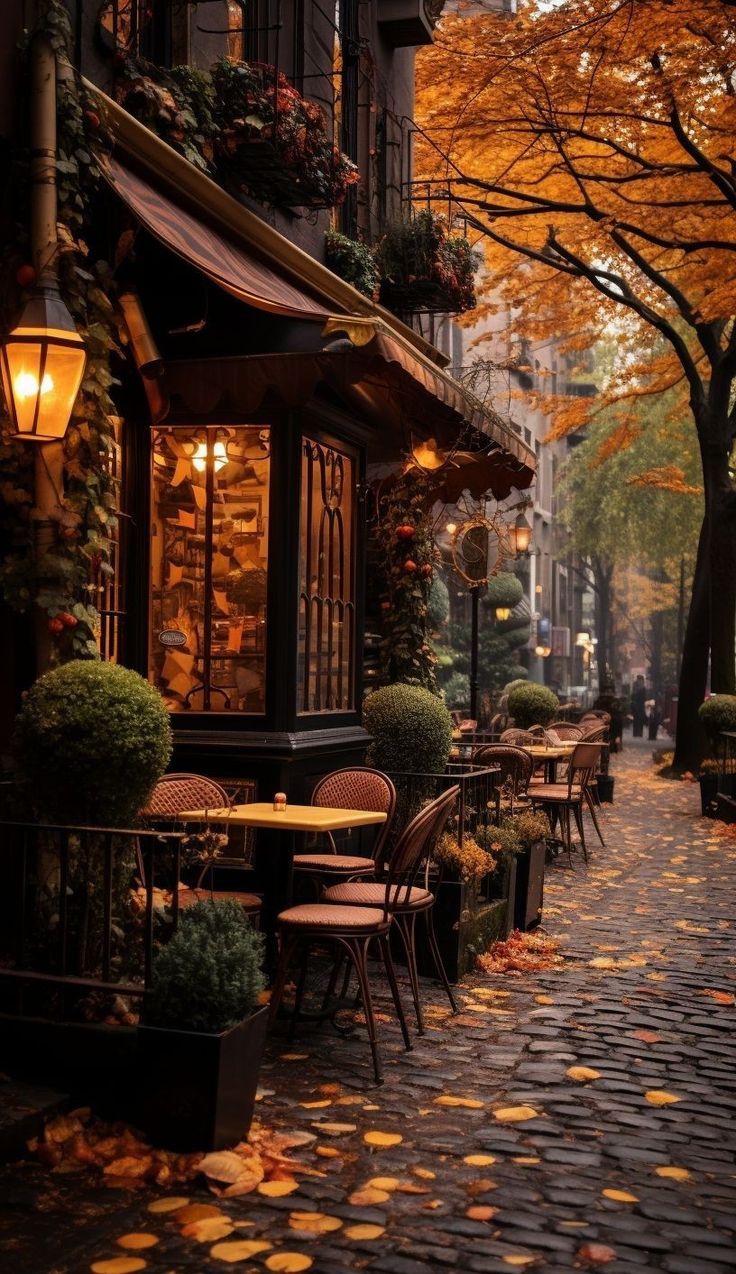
{"x": 532, "y": 704}
{"x": 411, "y": 728}
{"x": 718, "y": 713}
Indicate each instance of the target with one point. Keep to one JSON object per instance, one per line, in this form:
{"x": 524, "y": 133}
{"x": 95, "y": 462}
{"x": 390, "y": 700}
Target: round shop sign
{"x": 172, "y": 637}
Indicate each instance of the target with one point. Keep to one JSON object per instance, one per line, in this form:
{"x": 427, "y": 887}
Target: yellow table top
{"x": 295, "y": 818}
{"x": 553, "y": 751}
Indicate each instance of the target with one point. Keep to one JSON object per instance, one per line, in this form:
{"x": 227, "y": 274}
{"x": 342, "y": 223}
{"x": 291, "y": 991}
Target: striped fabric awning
{"x": 239, "y": 272}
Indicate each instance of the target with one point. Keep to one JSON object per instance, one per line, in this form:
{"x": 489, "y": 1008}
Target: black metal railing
{"x": 476, "y": 805}
{"x": 71, "y": 920}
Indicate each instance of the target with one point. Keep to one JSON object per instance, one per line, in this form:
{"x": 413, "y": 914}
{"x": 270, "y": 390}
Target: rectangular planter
{"x": 201, "y": 1089}
{"x": 605, "y": 784}
{"x": 530, "y": 886}
{"x": 708, "y": 793}
{"x": 466, "y": 923}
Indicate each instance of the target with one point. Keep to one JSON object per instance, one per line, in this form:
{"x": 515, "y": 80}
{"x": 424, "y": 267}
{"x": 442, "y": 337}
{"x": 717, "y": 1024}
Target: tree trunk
{"x": 690, "y": 738}
{"x": 720, "y": 506}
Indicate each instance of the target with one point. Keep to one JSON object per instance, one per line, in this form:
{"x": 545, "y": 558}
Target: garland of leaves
{"x": 409, "y": 557}
{"x": 67, "y": 579}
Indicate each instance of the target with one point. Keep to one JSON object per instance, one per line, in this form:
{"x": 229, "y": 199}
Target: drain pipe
{"x": 49, "y": 470}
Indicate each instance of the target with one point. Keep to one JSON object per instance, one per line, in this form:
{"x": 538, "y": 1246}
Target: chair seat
{"x": 334, "y": 862}
{"x": 249, "y": 902}
{"x": 322, "y": 915}
{"x": 556, "y": 792}
{"x": 372, "y": 894}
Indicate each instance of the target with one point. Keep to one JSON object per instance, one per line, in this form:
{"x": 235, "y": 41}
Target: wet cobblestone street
{"x": 625, "y": 1165}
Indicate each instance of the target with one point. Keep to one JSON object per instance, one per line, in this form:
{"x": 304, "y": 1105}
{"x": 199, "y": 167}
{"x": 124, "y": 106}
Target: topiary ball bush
{"x": 511, "y": 685}
{"x": 411, "y": 728}
{"x": 93, "y": 739}
{"x": 503, "y": 589}
{"x": 531, "y": 704}
{"x": 209, "y": 976}
{"x": 718, "y": 713}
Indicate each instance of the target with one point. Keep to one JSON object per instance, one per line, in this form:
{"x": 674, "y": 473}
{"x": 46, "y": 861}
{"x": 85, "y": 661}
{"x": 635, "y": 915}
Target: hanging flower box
{"x": 246, "y": 125}
{"x": 424, "y": 269}
{"x": 275, "y": 143}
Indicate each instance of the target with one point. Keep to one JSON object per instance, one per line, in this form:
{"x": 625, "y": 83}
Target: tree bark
{"x": 720, "y": 506}
{"x": 690, "y": 737}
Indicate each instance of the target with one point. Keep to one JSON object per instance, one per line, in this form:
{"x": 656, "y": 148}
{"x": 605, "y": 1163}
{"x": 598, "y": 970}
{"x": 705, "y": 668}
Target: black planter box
{"x": 709, "y": 784}
{"x": 96, "y": 1064}
{"x": 201, "y": 1089}
{"x": 530, "y": 886}
{"x": 604, "y": 783}
{"x": 466, "y": 923}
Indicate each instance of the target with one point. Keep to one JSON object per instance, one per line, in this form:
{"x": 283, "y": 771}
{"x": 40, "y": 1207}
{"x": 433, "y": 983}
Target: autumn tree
{"x": 635, "y": 511}
{"x": 591, "y": 144}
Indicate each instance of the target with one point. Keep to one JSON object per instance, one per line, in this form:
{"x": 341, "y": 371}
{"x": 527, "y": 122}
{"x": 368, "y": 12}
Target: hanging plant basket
{"x": 273, "y": 142}
{"x": 424, "y": 269}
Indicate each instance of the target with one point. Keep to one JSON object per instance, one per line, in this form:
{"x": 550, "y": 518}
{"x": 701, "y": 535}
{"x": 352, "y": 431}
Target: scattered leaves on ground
{"x": 521, "y": 953}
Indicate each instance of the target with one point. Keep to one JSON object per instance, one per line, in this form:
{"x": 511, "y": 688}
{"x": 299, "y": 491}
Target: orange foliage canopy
{"x": 592, "y": 143}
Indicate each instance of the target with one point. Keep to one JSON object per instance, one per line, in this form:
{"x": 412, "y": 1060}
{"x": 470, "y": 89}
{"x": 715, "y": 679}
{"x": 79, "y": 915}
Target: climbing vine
{"x": 409, "y": 557}
{"x": 66, "y": 579}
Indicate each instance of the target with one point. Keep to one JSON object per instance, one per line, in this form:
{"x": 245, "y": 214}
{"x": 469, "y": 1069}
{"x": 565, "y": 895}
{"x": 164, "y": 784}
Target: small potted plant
{"x": 425, "y": 269}
{"x": 203, "y": 1030}
{"x": 466, "y": 916}
{"x": 352, "y": 261}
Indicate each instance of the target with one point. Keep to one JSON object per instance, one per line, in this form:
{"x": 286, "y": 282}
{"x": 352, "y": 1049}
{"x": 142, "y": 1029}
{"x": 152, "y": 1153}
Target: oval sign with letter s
{"x": 172, "y": 637}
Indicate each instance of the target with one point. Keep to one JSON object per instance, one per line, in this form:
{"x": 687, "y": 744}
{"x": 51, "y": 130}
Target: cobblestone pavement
{"x": 630, "y": 1170}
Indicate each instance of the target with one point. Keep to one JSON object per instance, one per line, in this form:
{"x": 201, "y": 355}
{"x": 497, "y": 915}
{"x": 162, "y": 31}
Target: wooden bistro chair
{"x": 357, "y": 788}
{"x": 516, "y": 766}
{"x": 176, "y": 792}
{"x": 404, "y": 899}
{"x": 519, "y": 738}
{"x": 353, "y": 926}
{"x": 565, "y": 730}
{"x": 562, "y": 799}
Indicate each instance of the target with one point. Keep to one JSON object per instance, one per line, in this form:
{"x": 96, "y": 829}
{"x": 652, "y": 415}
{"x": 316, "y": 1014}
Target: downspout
{"x": 49, "y": 479}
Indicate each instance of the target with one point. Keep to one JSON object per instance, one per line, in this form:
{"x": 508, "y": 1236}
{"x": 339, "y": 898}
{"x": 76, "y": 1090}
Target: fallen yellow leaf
{"x": 480, "y": 1212}
{"x": 382, "y": 1139}
{"x": 469, "y": 1103}
{"x": 359, "y": 1232}
{"x": 288, "y": 1262}
{"x": 519, "y": 1258}
{"x": 314, "y": 1222}
{"x": 479, "y": 1161}
{"x": 197, "y": 1212}
{"x": 335, "y": 1130}
{"x": 172, "y": 1204}
{"x": 620, "y": 1196}
{"x": 675, "y": 1174}
{"x": 515, "y": 1114}
{"x": 137, "y": 1242}
{"x": 238, "y": 1249}
{"x": 582, "y": 1073}
{"x": 658, "y": 1097}
{"x": 385, "y": 1183}
{"x": 209, "y": 1229}
{"x": 277, "y": 1189}
{"x": 425, "y": 1174}
{"x": 368, "y": 1196}
{"x": 118, "y": 1265}
{"x": 326, "y": 1152}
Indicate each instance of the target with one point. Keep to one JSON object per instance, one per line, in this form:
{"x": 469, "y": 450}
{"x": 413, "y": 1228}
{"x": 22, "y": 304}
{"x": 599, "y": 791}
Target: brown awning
{"x": 238, "y": 272}
{"x": 400, "y": 398}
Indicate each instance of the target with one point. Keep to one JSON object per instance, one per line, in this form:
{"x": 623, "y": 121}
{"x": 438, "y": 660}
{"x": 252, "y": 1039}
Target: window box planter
{"x": 424, "y": 269}
{"x": 530, "y": 886}
{"x": 201, "y": 1088}
{"x": 273, "y": 142}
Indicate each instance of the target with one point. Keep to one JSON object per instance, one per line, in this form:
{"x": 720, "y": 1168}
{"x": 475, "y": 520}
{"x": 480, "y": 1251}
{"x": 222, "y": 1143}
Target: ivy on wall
{"x": 65, "y": 581}
{"x": 409, "y": 558}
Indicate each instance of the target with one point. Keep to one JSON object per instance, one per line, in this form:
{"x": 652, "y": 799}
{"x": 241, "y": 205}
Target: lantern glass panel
{"x": 41, "y": 379}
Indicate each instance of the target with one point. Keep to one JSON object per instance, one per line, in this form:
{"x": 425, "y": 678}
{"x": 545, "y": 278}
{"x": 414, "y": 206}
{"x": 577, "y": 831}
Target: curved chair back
{"x": 515, "y": 764}
{"x": 359, "y": 788}
{"x": 565, "y": 730}
{"x": 176, "y": 792}
{"x": 583, "y": 765}
{"x": 519, "y": 738}
{"x": 416, "y": 845}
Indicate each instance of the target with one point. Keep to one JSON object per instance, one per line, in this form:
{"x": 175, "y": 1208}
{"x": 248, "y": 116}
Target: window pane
{"x": 209, "y": 559}
{"x": 327, "y": 579}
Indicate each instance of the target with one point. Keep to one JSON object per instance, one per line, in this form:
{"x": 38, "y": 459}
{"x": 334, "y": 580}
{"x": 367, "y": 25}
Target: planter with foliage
{"x": 531, "y": 704}
{"x": 204, "y": 1030}
{"x": 425, "y": 269}
{"x": 717, "y": 714}
{"x": 528, "y": 832}
{"x": 468, "y": 913}
{"x": 352, "y": 261}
